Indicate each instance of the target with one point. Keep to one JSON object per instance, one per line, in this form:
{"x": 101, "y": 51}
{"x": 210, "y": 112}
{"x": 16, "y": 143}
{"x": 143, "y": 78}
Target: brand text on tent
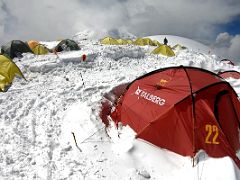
{"x": 150, "y": 97}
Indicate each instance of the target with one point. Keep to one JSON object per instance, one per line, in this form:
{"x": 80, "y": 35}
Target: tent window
{"x": 226, "y": 117}
{"x": 217, "y": 105}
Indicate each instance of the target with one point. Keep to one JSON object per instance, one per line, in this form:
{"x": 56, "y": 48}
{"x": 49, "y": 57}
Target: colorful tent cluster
{"x": 37, "y": 48}
{"x": 8, "y": 70}
{"x": 15, "y": 48}
{"x": 182, "y": 109}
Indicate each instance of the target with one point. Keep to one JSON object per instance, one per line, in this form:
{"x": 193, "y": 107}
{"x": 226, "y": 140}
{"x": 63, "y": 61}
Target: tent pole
{"x": 193, "y": 113}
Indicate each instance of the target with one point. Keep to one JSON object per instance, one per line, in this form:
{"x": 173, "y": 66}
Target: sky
{"x": 215, "y": 23}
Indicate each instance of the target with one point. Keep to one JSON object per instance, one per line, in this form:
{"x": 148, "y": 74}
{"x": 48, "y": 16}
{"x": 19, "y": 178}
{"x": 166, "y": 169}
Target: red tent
{"x": 228, "y": 74}
{"x": 183, "y": 109}
{"x": 110, "y": 100}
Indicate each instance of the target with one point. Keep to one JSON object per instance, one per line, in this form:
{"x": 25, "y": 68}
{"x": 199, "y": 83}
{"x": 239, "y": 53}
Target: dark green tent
{"x": 67, "y": 45}
{"x": 15, "y": 48}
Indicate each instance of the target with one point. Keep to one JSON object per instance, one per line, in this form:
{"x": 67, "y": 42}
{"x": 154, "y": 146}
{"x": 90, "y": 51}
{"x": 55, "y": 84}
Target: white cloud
{"x": 223, "y": 39}
{"x": 27, "y": 19}
{"x": 228, "y": 46}
{"x": 234, "y": 49}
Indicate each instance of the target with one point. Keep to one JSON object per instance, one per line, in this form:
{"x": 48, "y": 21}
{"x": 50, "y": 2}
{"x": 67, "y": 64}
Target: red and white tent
{"x": 183, "y": 109}
{"x": 228, "y": 74}
{"x": 228, "y": 61}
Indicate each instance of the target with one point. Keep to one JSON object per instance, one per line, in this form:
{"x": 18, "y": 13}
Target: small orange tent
{"x": 33, "y": 43}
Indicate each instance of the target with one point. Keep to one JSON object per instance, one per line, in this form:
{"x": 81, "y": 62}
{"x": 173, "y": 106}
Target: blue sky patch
{"x": 232, "y": 27}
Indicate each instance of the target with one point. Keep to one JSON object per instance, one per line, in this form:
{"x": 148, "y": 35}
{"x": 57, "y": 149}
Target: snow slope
{"x": 189, "y": 43}
{"x": 60, "y": 100}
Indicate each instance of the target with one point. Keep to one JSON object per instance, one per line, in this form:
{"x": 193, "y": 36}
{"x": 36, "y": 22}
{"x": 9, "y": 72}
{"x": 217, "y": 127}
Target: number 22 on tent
{"x": 211, "y": 129}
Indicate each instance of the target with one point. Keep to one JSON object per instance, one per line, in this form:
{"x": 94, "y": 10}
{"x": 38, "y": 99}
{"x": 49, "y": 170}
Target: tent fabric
{"x": 112, "y": 41}
{"x": 8, "y": 70}
{"x": 156, "y": 43}
{"x": 164, "y": 50}
{"x": 184, "y": 110}
{"x": 122, "y": 41}
{"x": 40, "y": 49}
{"x": 228, "y": 74}
{"x": 109, "y": 41}
{"x": 32, "y": 43}
{"x": 111, "y": 98}
{"x": 129, "y": 41}
{"x": 37, "y": 48}
{"x": 143, "y": 42}
{"x": 67, "y": 45}
{"x": 15, "y": 48}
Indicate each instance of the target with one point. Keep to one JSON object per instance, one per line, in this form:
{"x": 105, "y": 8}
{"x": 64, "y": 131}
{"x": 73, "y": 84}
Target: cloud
{"x": 223, "y": 39}
{"x": 227, "y": 46}
{"x": 234, "y": 49}
{"x": 49, "y": 20}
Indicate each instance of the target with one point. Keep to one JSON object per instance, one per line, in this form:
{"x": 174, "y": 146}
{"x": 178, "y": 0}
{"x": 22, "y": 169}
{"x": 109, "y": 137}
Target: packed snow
{"x": 50, "y": 124}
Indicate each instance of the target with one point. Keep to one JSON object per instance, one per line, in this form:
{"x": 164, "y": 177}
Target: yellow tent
{"x": 143, "y": 42}
{"x": 8, "y": 70}
{"x": 129, "y": 41}
{"x": 3, "y": 82}
{"x": 122, "y": 41}
{"x": 37, "y": 48}
{"x": 178, "y": 47}
{"x": 164, "y": 50}
{"x": 156, "y": 43}
{"x": 109, "y": 41}
{"x": 40, "y": 49}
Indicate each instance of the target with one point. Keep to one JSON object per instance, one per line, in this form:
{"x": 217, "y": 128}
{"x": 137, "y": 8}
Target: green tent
{"x": 67, "y": 45}
{"x": 163, "y": 50}
{"x": 15, "y": 48}
{"x": 8, "y": 70}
